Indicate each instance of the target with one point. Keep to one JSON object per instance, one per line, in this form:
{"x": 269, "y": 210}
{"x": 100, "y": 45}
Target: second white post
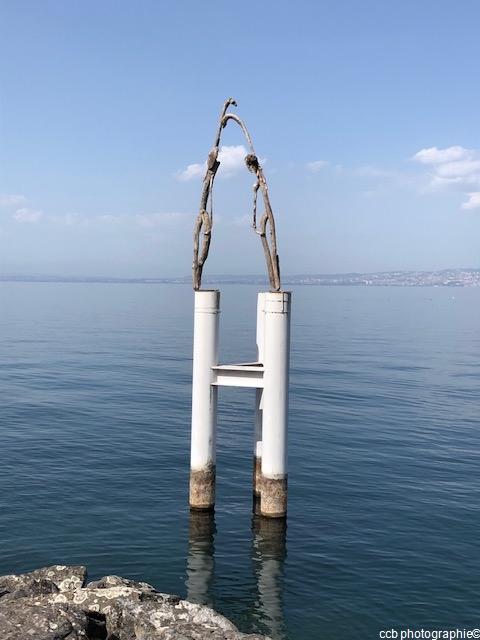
{"x": 273, "y": 501}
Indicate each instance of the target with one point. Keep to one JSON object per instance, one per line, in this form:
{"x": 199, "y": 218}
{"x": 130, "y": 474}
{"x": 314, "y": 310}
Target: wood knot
{"x": 252, "y": 162}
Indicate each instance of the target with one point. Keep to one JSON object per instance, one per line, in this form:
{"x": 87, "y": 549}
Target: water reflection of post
{"x": 268, "y": 555}
{"x": 201, "y": 557}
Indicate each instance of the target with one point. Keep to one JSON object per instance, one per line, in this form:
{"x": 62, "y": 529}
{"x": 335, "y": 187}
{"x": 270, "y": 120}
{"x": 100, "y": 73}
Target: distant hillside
{"x": 447, "y": 277}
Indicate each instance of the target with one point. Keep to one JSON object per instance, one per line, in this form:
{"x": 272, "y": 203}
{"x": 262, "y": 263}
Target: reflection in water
{"x": 267, "y": 556}
{"x": 201, "y": 557}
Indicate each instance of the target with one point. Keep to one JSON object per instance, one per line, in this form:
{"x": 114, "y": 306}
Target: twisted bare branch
{"x": 205, "y": 218}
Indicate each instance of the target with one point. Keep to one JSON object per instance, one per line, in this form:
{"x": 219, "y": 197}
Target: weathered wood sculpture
{"x": 204, "y": 222}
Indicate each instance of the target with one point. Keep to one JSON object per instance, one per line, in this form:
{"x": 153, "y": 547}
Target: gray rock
{"x": 55, "y": 603}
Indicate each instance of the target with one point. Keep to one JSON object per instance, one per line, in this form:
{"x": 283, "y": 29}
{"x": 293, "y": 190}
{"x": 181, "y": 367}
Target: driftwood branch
{"x": 204, "y": 222}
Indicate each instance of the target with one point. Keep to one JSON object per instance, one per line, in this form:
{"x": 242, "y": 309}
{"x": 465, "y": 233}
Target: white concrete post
{"x": 257, "y": 451}
{"x": 204, "y": 400}
{"x": 275, "y": 404}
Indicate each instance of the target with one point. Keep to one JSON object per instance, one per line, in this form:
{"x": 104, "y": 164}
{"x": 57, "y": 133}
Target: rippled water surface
{"x": 384, "y": 452}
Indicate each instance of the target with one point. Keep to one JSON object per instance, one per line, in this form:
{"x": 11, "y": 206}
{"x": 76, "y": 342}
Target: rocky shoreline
{"x": 56, "y": 603}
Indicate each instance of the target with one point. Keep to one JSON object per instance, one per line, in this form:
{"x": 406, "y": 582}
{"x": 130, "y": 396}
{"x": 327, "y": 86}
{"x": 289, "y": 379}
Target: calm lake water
{"x": 384, "y": 453}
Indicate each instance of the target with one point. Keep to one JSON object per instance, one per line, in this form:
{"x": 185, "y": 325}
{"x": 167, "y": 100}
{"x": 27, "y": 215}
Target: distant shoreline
{"x": 444, "y": 278}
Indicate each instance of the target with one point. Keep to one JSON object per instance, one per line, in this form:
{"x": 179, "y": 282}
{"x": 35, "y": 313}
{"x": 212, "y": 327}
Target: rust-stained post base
{"x": 273, "y": 501}
{"x": 202, "y": 489}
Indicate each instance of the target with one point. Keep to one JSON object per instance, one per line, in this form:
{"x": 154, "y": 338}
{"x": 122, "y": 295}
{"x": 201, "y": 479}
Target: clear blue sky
{"x": 365, "y": 114}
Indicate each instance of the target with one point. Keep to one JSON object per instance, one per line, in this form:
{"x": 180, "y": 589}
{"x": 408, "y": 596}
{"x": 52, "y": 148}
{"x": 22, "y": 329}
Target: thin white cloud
{"x": 467, "y": 170}
{"x": 232, "y": 160}
{"x": 192, "y": 172}
{"x": 453, "y": 168}
{"x": 473, "y": 201}
{"x": 380, "y": 181}
{"x": 432, "y": 155}
{"x": 165, "y": 220}
{"x": 243, "y": 221}
{"x": 69, "y": 220}
{"x": 11, "y": 199}
{"x": 28, "y": 216}
{"x": 147, "y": 220}
{"x": 316, "y": 166}
{"x": 374, "y": 172}
{"x": 109, "y": 219}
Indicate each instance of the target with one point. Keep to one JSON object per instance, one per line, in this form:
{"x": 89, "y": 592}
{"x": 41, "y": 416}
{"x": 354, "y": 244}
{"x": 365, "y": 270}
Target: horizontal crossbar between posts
{"x": 245, "y": 374}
